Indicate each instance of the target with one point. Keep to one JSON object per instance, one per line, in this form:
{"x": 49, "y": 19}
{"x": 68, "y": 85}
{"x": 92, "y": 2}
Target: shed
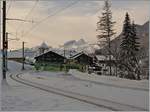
{"x": 50, "y": 57}
{"x": 83, "y": 58}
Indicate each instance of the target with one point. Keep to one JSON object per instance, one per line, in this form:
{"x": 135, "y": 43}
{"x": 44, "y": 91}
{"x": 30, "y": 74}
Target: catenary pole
{"x": 4, "y": 40}
{"x": 6, "y": 60}
{"x": 23, "y": 57}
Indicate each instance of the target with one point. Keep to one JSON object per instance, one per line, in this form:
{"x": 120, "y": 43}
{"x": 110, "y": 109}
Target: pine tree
{"x": 126, "y": 34}
{"x": 129, "y": 48}
{"x": 135, "y": 43}
{"x": 105, "y": 27}
{"x": 135, "y": 48}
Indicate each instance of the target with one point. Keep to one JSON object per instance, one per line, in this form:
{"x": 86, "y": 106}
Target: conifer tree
{"x": 134, "y": 50}
{"x": 135, "y": 43}
{"x": 105, "y": 27}
{"x": 129, "y": 48}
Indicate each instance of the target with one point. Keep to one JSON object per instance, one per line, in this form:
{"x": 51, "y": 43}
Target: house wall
{"x": 83, "y": 59}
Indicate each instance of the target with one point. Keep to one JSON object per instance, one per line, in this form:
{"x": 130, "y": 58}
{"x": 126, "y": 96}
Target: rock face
{"x": 142, "y": 33}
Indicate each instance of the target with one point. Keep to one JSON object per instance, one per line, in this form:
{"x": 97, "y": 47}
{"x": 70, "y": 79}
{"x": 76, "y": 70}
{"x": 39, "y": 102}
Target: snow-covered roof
{"x": 103, "y": 57}
{"x": 79, "y": 54}
{"x": 100, "y": 57}
{"x": 47, "y": 52}
{"x": 68, "y": 53}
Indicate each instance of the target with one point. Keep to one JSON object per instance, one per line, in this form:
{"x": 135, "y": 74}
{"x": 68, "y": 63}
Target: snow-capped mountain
{"x": 79, "y": 46}
{"x": 80, "y": 42}
{"x": 69, "y": 49}
{"x": 69, "y": 43}
{"x": 74, "y": 43}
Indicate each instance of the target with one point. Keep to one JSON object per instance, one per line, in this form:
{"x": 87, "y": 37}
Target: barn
{"x": 50, "y": 57}
{"x": 83, "y": 58}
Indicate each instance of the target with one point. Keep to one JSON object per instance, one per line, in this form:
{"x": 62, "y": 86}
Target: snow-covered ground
{"x": 138, "y": 98}
{"x": 16, "y": 96}
{"x": 112, "y": 80}
{"x": 19, "y": 97}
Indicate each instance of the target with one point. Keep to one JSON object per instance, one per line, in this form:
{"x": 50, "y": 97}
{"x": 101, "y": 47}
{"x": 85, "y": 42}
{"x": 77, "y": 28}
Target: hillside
{"x": 142, "y": 33}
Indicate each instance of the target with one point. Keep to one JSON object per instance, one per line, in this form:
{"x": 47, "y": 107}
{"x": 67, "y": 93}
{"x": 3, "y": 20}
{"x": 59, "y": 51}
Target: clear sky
{"x": 57, "y": 21}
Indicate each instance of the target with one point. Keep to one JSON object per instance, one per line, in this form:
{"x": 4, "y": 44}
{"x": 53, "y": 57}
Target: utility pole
{"x": 4, "y": 41}
{"x": 23, "y": 57}
{"x": 6, "y": 51}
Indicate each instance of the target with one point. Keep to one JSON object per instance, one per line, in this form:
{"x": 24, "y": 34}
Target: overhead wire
{"x": 32, "y": 9}
{"x": 43, "y": 20}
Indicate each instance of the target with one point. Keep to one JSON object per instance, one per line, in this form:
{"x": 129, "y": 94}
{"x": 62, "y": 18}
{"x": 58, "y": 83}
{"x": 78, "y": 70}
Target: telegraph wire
{"x": 43, "y": 20}
{"x": 34, "y": 6}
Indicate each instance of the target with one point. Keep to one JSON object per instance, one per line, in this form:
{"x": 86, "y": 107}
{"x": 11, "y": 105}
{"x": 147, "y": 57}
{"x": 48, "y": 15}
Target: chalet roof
{"x": 100, "y": 57}
{"x": 79, "y": 54}
{"x": 48, "y": 52}
{"x": 68, "y": 53}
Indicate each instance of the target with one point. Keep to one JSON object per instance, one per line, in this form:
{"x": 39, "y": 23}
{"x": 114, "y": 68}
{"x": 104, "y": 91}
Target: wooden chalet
{"x": 50, "y": 57}
{"x": 83, "y": 58}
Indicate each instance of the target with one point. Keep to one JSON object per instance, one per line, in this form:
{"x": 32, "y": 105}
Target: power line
{"x": 50, "y": 9}
{"x": 43, "y": 20}
{"x": 35, "y": 4}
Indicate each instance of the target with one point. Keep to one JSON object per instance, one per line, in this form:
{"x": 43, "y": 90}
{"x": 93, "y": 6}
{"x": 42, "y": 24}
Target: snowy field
{"x": 111, "y": 80}
{"x": 17, "y": 97}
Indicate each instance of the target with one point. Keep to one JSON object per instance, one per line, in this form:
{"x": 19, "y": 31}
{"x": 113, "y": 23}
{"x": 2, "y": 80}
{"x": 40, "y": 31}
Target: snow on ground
{"x": 138, "y": 98}
{"x": 112, "y": 80}
{"x": 19, "y": 97}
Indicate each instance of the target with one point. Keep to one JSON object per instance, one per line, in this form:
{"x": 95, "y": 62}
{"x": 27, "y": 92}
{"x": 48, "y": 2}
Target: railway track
{"x": 109, "y": 105}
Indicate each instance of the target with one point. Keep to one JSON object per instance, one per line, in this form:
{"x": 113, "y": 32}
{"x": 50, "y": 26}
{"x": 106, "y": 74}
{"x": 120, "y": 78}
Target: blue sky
{"x": 70, "y": 19}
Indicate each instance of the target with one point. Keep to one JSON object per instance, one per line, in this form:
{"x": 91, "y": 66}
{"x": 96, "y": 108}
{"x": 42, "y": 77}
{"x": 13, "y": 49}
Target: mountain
{"x": 79, "y": 46}
{"x": 80, "y": 42}
{"x": 71, "y": 47}
{"x": 74, "y": 43}
{"x": 69, "y": 43}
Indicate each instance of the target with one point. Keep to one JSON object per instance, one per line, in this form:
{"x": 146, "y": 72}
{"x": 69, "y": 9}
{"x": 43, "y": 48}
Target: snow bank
{"x": 112, "y": 80}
